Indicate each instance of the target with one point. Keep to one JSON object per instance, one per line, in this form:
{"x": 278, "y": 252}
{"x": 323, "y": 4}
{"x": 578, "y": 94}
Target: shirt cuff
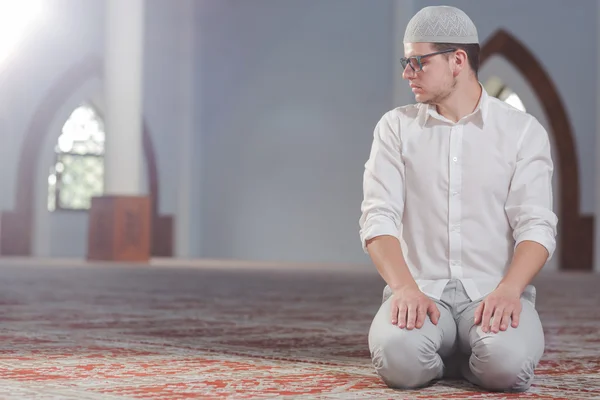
{"x": 376, "y": 226}
{"x": 541, "y": 236}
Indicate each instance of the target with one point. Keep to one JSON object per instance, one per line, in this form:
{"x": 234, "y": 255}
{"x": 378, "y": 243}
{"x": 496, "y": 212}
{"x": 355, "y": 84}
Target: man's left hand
{"x": 502, "y": 304}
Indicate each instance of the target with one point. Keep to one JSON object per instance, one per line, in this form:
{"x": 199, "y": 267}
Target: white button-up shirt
{"x": 459, "y": 196}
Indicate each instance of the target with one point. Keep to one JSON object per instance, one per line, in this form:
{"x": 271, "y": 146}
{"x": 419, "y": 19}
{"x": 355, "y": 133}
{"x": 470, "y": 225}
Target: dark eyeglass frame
{"x": 406, "y": 60}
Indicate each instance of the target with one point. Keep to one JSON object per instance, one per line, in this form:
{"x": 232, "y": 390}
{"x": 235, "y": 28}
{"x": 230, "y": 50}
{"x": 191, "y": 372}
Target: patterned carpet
{"x": 132, "y": 332}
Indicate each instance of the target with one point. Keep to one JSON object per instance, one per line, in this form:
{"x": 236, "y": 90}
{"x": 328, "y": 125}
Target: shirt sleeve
{"x": 529, "y": 202}
{"x": 383, "y": 184}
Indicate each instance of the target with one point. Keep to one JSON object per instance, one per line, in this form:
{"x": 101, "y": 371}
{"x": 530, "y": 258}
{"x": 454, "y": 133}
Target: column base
{"x": 15, "y": 234}
{"x": 162, "y": 236}
{"x": 120, "y": 229}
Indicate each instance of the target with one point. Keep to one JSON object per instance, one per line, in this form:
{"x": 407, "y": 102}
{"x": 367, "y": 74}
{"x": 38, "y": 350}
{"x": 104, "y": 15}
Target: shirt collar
{"x": 481, "y": 111}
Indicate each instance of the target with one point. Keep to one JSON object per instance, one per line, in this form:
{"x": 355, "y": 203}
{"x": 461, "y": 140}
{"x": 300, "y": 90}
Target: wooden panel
{"x": 101, "y": 229}
{"x": 162, "y": 236}
{"x": 15, "y": 239}
{"x": 120, "y": 228}
{"x": 133, "y": 229}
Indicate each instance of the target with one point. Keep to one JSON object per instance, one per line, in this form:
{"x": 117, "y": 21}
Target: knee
{"x": 404, "y": 360}
{"x": 500, "y": 367}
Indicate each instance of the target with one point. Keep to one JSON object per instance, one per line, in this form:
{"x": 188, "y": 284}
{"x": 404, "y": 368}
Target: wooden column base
{"x": 162, "y": 236}
{"x": 15, "y": 238}
{"x": 120, "y": 228}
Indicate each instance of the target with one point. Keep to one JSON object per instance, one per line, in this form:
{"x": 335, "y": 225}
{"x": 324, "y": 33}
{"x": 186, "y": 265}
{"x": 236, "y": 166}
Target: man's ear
{"x": 461, "y": 61}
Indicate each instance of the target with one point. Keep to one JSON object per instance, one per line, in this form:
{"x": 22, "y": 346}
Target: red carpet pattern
{"x": 133, "y": 332}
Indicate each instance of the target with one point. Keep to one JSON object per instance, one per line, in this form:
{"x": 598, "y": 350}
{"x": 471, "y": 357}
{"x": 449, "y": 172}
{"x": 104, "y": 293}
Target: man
{"x": 457, "y": 217}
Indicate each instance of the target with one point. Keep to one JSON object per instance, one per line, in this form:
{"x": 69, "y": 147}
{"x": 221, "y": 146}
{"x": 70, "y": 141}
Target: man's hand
{"x": 410, "y": 307}
{"x": 502, "y": 304}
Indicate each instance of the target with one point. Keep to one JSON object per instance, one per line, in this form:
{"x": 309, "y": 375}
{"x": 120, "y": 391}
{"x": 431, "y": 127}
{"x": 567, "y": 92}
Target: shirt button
{"x": 455, "y": 228}
{"x": 455, "y": 193}
{"x": 455, "y": 159}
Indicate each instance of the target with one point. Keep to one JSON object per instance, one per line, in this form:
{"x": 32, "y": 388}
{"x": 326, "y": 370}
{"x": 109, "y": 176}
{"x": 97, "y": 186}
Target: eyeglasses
{"x": 415, "y": 61}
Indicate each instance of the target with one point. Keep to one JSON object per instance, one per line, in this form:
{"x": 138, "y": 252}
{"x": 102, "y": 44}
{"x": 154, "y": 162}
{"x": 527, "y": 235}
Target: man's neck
{"x": 461, "y": 102}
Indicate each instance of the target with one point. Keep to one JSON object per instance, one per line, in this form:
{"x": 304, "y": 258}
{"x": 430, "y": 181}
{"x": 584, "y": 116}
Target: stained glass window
{"x": 78, "y": 171}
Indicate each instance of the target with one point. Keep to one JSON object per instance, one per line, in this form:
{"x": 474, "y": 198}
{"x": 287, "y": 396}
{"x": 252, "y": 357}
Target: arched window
{"x": 495, "y": 87}
{"x": 78, "y": 172}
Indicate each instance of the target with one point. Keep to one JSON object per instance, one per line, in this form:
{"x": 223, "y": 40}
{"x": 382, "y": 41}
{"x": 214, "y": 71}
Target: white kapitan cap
{"x": 441, "y": 24}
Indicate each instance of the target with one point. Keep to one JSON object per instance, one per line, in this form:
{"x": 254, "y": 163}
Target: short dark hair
{"x": 472, "y": 49}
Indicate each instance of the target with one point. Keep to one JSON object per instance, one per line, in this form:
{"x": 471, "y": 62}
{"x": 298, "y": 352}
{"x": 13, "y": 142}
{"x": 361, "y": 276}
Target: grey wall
{"x": 292, "y": 92}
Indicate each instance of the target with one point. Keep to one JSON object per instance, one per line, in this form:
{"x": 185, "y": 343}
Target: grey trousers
{"x": 456, "y": 348}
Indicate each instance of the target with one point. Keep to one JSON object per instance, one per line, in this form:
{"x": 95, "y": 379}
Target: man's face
{"x": 435, "y": 81}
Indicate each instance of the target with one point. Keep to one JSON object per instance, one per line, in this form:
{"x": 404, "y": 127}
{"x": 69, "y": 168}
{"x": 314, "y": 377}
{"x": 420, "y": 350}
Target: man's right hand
{"x": 410, "y": 307}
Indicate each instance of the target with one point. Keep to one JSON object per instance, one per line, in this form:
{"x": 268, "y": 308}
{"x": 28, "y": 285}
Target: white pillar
{"x": 184, "y": 220}
{"x": 403, "y": 12}
{"x": 123, "y": 94}
{"x": 7, "y": 153}
{"x": 597, "y": 169}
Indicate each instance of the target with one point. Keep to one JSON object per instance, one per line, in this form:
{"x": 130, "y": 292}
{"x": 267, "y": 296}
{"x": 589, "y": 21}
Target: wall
{"x": 48, "y": 50}
{"x": 51, "y": 228}
{"x": 292, "y": 92}
{"x": 169, "y": 95}
{"x": 71, "y": 32}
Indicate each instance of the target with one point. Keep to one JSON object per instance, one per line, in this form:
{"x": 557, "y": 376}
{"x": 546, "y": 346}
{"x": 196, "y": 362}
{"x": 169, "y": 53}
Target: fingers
{"x": 421, "y": 315}
{"x": 505, "y": 320}
{"x": 395, "y": 310}
{"x": 516, "y": 316}
{"x": 419, "y": 312}
{"x": 478, "y": 312}
{"x": 412, "y": 316}
{"x": 402, "y": 315}
{"x": 411, "y": 312}
{"x": 497, "y": 317}
{"x": 498, "y": 314}
{"x": 488, "y": 309}
{"x": 434, "y": 313}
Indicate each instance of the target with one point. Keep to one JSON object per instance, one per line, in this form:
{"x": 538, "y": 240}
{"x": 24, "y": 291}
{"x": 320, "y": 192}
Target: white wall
{"x": 69, "y": 32}
{"x": 72, "y": 31}
{"x": 292, "y": 92}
